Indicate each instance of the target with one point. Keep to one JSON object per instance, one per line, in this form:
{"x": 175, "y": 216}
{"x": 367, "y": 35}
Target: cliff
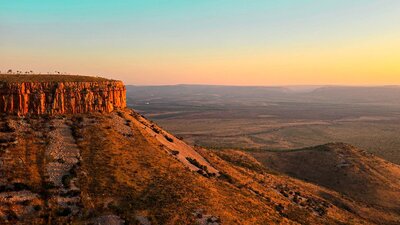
{"x": 59, "y": 94}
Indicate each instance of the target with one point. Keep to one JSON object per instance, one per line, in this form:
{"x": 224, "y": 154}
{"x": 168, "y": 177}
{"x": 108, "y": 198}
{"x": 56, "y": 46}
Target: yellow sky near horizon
{"x": 359, "y": 62}
{"x": 208, "y": 42}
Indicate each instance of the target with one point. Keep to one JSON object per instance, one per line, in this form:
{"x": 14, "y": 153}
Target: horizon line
{"x": 276, "y": 86}
{"x": 203, "y": 84}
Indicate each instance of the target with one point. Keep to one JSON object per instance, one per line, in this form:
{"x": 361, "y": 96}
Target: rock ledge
{"x": 59, "y": 94}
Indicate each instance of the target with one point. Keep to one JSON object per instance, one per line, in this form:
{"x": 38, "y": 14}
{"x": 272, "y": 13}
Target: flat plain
{"x": 276, "y": 118}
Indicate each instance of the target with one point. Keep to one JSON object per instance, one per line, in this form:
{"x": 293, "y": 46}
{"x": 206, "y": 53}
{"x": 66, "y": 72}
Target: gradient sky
{"x": 234, "y": 42}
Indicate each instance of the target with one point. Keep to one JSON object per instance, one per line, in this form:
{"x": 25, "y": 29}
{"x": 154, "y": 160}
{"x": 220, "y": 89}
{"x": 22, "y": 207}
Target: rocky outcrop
{"x": 61, "y": 97}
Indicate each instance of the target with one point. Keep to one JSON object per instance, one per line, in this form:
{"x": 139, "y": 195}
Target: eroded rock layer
{"x": 59, "y": 97}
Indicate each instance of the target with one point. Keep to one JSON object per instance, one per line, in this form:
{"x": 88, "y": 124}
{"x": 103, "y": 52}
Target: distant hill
{"x": 343, "y": 168}
{"x": 383, "y": 94}
{"x": 341, "y": 94}
{"x": 203, "y": 92}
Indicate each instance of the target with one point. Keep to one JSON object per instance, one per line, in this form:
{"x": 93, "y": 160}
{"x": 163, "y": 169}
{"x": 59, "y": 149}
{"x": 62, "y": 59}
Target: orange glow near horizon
{"x": 358, "y": 63}
{"x": 257, "y": 43}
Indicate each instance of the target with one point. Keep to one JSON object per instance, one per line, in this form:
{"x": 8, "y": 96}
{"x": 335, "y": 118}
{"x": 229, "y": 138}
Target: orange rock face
{"x": 36, "y": 98}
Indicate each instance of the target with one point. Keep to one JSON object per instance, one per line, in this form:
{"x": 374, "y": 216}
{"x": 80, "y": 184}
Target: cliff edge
{"x": 59, "y": 94}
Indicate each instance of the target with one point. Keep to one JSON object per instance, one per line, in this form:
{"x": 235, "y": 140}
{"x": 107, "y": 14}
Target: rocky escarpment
{"x": 51, "y": 94}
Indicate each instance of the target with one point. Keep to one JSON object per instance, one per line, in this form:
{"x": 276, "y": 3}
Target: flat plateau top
{"x": 19, "y": 78}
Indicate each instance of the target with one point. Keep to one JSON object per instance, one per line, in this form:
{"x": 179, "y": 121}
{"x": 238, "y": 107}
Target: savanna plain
{"x": 265, "y": 119}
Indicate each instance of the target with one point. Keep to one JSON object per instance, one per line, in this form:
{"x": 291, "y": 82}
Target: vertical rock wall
{"x": 23, "y": 98}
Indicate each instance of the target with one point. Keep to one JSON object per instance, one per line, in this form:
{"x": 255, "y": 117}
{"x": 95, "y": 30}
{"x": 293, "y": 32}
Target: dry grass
{"x": 19, "y": 78}
{"x": 343, "y": 168}
{"x": 136, "y": 176}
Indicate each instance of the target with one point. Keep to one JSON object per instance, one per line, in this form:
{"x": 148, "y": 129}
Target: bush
{"x": 5, "y": 140}
{"x": 66, "y": 180}
{"x": 7, "y": 128}
{"x": 25, "y": 202}
{"x": 71, "y": 193}
{"x": 168, "y": 138}
{"x": 64, "y": 212}
{"x": 21, "y": 187}
{"x": 75, "y": 131}
{"x": 203, "y": 170}
{"x": 120, "y": 114}
{"x": 174, "y": 152}
{"x": 3, "y": 188}
{"x": 48, "y": 185}
{"x": 227, "y": 177}
{"x": 279, "y": 208}
{"x": 197, "y": 164}
{"x": 128, "y": 135}
{"x": 78, "y": 119}
{"x": 155, "y": 129}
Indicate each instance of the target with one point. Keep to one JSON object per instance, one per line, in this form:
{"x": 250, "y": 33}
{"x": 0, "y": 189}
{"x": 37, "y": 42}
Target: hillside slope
{"x": 120, "y": 168}
{"x": 345, "y": 169}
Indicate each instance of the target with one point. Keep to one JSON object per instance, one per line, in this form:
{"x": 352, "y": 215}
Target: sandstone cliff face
{"x": 23, "y": 98}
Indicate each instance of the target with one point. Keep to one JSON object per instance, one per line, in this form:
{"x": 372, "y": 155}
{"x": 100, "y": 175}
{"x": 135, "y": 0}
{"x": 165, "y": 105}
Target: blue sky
{"x": 168, "y": 41}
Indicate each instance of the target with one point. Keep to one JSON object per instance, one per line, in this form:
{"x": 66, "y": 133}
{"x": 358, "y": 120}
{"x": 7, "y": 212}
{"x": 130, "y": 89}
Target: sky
{"x": 229, "y": 42}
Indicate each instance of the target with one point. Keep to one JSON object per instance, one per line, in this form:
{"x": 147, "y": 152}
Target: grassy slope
{"x": 125, "y": 170}
{"x": 344, "y": 168}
